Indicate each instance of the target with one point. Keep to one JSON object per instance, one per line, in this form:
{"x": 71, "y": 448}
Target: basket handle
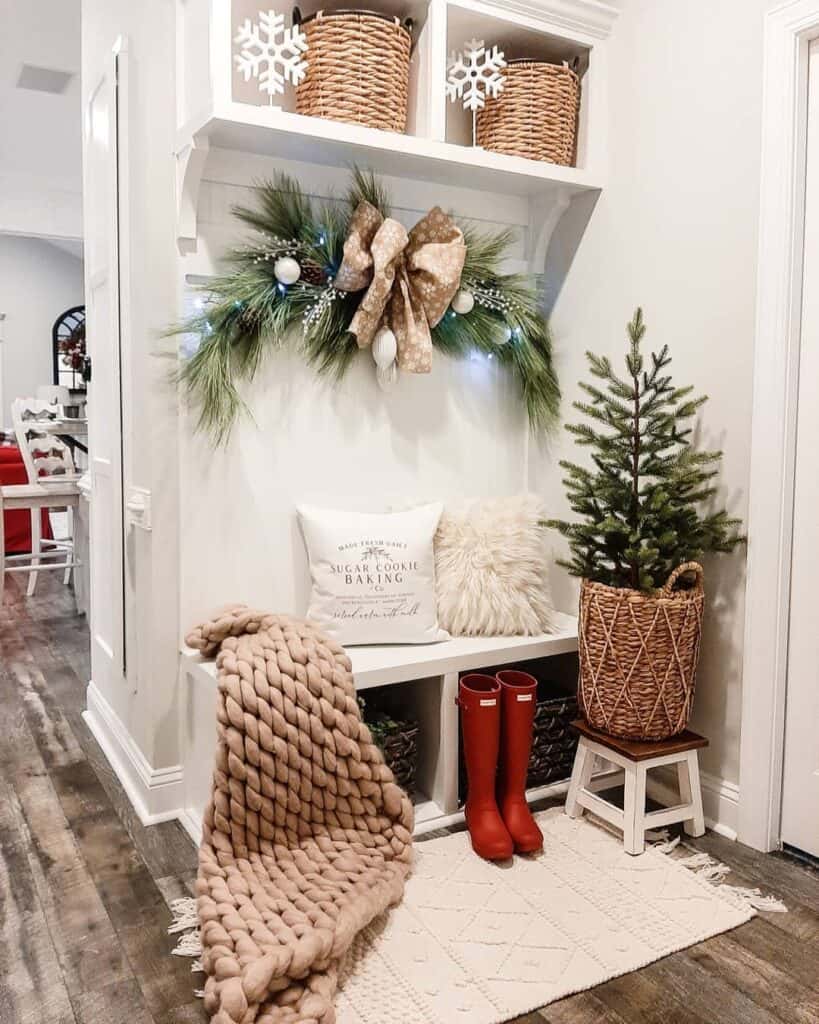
{"x": 681, "y": 570}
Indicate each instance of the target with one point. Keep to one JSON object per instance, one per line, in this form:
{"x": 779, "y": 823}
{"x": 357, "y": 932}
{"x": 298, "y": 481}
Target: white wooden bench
{"x": 429, "y": 672}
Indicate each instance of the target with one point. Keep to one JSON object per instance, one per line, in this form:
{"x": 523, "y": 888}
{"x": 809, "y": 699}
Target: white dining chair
{"x": 34, "y": 497}
{"x": 49, "y": 465}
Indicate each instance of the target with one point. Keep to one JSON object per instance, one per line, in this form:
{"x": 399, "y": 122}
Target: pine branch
{"x": 248, "y": 311}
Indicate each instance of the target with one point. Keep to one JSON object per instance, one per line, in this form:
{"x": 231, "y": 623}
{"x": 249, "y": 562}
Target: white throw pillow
{"x": 373, "y": 574}
{"x": 491, "y": 568}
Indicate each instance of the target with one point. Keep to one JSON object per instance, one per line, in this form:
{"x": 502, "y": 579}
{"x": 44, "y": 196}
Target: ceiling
{"x": 40, "y": 133}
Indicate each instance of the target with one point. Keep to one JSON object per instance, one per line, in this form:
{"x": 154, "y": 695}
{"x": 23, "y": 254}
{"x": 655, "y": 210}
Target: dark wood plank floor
{"x": 84, "y": 888}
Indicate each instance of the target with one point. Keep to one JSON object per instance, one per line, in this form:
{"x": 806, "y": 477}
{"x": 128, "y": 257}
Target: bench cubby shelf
{"x": 217, "y": 110}
{"x": 428, "y": 672}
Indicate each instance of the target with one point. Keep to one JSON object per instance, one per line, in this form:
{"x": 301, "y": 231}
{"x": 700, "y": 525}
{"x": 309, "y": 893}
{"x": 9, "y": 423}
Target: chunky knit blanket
{"x": 306, "y": 838}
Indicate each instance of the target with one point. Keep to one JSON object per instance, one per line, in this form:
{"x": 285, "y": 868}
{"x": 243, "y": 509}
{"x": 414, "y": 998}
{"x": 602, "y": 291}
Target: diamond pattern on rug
{"x": 481, "y": 943}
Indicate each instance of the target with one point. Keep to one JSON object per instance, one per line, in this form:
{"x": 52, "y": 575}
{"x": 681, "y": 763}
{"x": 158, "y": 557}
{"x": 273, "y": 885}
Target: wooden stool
{"x": 633, "y": 759}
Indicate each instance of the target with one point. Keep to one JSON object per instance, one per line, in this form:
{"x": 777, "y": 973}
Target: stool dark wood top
{"x": 641, "y": 750}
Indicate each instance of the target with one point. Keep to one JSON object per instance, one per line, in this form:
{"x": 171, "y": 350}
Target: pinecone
{"x": 312, "y": 273}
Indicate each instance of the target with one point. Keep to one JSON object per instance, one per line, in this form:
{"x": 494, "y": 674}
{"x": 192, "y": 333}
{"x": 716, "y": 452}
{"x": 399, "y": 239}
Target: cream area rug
{"x": 483, "y": 943}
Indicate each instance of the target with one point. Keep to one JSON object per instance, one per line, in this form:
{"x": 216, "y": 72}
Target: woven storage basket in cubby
{"x": 553, "y": 741}
{"x": 535, "y": 113}
{"x": 397, "y": 739}
{"x": 638, "y": 656}
{"x": 357, "y": 68}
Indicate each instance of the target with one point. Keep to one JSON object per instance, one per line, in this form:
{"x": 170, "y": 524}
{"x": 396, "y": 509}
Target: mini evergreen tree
{"x": 639, "y": 506}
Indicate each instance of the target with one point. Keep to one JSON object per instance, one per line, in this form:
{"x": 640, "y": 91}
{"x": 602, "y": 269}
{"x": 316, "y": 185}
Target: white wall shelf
{"x": 428, "y": 674}
{"x": 217, "y": 110}
{"x": 273, "y": 132}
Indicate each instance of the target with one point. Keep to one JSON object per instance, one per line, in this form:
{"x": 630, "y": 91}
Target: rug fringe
{"x": 664, "y": 844}
{"x": 189, "y": 944}
{"x": 704, "y": 866}
{"x": 184, "y": 915}
{"x": 759, "y": 902}
{"x": 186, "y": 921}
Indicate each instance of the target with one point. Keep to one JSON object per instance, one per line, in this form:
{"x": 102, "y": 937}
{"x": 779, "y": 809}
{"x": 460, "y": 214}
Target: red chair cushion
{"x": 17, "y": 522}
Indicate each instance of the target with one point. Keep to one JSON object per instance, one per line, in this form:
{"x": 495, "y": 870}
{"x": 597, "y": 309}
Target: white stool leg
{"x": 581, "y": 776}
{"x": 36, "y": 548}
{"x": 690, "y": 792}
{"x": 634, "y": 808}
{"x": 69, "y": 554}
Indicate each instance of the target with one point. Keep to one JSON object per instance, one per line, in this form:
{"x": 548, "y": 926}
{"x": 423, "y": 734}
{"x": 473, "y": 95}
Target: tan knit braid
{"x": 306, "y": 838}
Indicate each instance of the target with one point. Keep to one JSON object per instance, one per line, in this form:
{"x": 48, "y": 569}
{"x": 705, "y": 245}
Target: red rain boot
{"x": 518, "y": 699}
{"x": 479, "y": 699}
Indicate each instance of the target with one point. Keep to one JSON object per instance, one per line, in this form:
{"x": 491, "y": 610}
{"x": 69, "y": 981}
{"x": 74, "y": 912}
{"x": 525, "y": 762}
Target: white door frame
{"x": 789, "y": 29}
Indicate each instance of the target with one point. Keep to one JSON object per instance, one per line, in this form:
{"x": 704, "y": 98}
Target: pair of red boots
{"x": 497, "y": 715}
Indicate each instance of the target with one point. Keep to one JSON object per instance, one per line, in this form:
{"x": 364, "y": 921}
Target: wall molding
{"x": 156, "y": 794}
{"x": 593, "y": 17}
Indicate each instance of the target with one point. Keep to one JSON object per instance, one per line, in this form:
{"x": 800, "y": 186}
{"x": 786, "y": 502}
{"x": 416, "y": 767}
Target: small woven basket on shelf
{"x": 535, "y": 113}
{"x": 638, "y": 656}
{"x": 357, "y": 68}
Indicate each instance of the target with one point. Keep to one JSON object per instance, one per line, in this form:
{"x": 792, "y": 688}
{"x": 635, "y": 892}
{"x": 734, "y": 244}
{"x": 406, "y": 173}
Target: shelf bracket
{"x": 190, "y": 163}
{"x": 544, "y": 215}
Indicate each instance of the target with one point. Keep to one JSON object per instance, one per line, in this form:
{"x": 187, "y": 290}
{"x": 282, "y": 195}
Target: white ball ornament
{"x": 385, "y": 348}
{"x": 286, "y": 270}
{"x": 463, "y": 302}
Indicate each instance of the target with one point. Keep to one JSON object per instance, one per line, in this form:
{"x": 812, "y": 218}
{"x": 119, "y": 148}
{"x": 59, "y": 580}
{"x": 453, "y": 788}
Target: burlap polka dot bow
{"x": 410, "y": 278}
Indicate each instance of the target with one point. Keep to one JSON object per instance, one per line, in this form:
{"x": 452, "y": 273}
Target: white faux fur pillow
{"x": 490, "y": 568}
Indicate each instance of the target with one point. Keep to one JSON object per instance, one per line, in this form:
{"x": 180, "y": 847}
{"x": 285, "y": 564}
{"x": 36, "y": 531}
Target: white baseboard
{"x": 156, "y": 794}
{"x": 192, "y": 824}
{"x": 720, "y": 799}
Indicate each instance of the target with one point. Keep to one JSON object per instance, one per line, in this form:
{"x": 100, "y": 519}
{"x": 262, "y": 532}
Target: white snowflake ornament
{"x": 270, "y": 52}
{"x": 475, "y": 74}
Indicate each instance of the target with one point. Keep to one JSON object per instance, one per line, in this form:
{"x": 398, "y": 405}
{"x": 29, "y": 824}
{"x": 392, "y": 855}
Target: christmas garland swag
{"x": 354, "y": 278}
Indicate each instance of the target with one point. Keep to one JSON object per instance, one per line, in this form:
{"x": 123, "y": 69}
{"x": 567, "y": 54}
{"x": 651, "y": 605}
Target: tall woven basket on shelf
{"x": 357, "y": 68}
{"x": 638, "y": 656}
{"x": 535, "y": 114}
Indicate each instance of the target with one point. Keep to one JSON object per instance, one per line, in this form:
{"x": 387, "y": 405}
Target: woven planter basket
{"x": 638, "y": 656}
{"x": 534, "y": 115}
{"x": 357, "y": 69}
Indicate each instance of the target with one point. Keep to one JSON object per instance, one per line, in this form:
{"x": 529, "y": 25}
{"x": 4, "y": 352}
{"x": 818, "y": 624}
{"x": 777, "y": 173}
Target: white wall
{"x": 38, "y": 282}
{"x": 676, "y": 232}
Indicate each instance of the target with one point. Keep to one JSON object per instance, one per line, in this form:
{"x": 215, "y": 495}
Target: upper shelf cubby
{"x": 218, "y": 107}
{"x": 520, "y": 42}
